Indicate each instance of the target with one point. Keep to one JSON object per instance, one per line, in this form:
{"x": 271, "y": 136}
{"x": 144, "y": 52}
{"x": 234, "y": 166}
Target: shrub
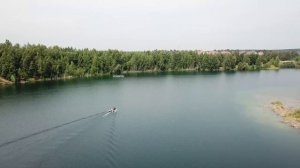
{"x": 288, "y": 64}
{"x": 277, "y": 103}
{"x": 243, "y": 66}
{"x": 296, "y": 114}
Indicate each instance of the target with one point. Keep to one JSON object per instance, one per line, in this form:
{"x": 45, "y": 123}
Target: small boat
{"x": 118, "y": 76}
{"x": 22, "y": 82}
{"x": 113, "y": 110}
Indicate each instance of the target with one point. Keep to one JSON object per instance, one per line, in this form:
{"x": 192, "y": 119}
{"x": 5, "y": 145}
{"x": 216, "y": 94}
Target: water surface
{"x": 165, "y": 120}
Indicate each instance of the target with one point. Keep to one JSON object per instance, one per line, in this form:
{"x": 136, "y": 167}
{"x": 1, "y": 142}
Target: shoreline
{"x": 4, "y": 82}
{"x": 33, "y": 80}
{"x": 289, "y": 116}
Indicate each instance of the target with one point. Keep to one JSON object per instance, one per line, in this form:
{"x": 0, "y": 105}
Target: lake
{"x": 166, "y": 120}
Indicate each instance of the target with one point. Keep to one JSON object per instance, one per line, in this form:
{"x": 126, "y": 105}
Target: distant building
{"x": 251, "y": 52}
{"x": 227, "y": 52}
{"x": 260, "y": 53}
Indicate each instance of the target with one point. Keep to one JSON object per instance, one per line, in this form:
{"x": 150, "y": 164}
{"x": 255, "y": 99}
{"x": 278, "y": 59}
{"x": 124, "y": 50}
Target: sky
{"x": 153, "y": 24}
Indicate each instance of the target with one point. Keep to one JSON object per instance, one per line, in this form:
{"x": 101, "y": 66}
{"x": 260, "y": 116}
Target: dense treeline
{"x": 39, "y": 62}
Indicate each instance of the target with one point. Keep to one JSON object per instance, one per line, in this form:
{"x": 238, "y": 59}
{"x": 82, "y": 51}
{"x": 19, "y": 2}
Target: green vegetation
{"x": 295, "y": 114}
{"x": 289, "y": 116}
{"x": 287, "y": 64}
{"x": 278, "y": 103}
{"x": 297, "y": 62}
{"x": 33, "y": 62}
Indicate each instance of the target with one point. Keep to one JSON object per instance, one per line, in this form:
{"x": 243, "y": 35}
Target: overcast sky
{"x": 153, "y": 24}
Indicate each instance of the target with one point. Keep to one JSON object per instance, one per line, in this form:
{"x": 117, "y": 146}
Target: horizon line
{"x": 143, "y": 50}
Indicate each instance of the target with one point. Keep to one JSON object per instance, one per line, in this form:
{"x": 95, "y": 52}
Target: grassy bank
{"x": 290, "y": 116}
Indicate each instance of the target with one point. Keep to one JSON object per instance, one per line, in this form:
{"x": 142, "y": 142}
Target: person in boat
{"x": 114, "y": 109}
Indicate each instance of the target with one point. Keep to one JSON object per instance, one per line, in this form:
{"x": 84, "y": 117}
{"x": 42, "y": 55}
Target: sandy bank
{"x": 5, "y": 82}
{"x": 290, "y": 116}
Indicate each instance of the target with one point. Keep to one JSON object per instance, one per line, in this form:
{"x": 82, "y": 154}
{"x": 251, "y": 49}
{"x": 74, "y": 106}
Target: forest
{"x": 23, "y": 62}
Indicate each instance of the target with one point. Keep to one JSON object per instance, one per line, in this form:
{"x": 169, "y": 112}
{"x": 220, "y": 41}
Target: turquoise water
{"x": 167, "y": 120}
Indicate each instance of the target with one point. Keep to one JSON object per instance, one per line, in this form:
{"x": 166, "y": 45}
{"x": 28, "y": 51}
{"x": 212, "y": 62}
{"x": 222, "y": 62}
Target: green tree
{"x": 243, "y": 66}
{"x": 258, "y": 63}
{"x": 229, "y": 63}
{"x": 276, "y": 62}
{"x": 39, "y": 61}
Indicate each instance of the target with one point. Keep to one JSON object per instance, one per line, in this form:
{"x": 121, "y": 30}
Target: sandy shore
{"x": 290, "y": 116}
{"x": 5, "y": 82}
